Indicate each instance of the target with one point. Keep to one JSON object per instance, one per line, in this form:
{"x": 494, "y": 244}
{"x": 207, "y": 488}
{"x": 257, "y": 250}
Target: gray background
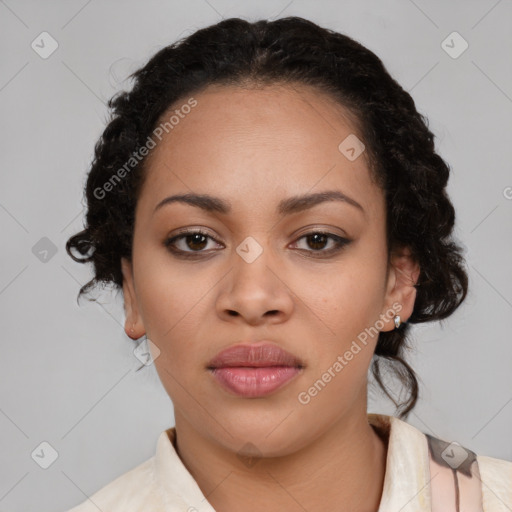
{"x": 68, "y": 372}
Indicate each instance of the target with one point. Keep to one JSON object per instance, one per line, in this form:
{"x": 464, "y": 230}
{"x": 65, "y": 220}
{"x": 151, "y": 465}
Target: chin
{"x": 266, "y": 439}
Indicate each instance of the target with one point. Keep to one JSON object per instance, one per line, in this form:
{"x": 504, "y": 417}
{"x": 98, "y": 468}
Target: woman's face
{"x": 256, "y": 275}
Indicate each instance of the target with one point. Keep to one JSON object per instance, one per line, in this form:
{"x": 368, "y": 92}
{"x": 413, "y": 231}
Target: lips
{"x": 255, "y": 355}
{"x": 254, "y": 370}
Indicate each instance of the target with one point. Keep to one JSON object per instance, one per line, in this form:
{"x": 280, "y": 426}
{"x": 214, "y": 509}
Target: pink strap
{"x": 455, "y": 482}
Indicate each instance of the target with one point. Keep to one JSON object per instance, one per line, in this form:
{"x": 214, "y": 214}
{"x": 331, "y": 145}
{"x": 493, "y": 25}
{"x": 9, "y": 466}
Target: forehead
{"x": 256, "y": 146}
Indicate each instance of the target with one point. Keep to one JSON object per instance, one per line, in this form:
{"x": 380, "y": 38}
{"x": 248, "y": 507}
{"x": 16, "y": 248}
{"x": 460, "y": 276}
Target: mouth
{"x": 254, "y": 370}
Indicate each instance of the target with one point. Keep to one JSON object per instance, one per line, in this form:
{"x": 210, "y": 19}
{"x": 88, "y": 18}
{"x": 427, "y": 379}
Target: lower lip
{"x": 254, "y": 382}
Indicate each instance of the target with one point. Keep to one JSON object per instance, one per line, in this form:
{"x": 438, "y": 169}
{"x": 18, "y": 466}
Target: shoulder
{"x": 133, "y": 491}
{"x": 411, "y": 453}
{"x": 496, "y": 475}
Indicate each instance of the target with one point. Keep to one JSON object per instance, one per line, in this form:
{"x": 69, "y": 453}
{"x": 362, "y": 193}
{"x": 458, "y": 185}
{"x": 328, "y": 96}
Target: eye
{"x": 319, "y": 239}
{"x": 196, "y": 240}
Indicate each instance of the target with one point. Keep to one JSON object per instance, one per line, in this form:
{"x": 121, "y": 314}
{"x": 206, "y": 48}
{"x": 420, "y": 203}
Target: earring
{"x": 397, "y": 321}
{"x": 132, "y": 330}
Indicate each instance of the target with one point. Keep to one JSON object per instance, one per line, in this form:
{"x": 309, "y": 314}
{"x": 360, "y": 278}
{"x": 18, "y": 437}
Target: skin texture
{"x": 255, "y": 147}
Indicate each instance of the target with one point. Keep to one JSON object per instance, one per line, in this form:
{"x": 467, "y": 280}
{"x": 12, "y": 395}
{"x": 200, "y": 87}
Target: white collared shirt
{"x": 163, "y": 484}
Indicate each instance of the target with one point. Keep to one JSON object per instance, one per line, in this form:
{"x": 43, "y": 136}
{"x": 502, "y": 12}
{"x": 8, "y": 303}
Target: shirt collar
{"x": 406, "y": 482}
{"x": 407, "y": 479}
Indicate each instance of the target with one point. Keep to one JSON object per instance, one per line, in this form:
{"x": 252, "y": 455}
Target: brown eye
{"x": 196, "y": 242}
{"x": 188, "y": 242}
{"x": 316, "y": 241}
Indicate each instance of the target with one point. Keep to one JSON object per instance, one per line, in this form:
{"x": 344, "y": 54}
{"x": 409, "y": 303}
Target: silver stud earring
{"x": 397, "y": 321}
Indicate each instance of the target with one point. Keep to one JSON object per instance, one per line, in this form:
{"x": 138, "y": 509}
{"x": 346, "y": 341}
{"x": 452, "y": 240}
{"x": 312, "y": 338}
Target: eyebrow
{"x": 287, "y": 206}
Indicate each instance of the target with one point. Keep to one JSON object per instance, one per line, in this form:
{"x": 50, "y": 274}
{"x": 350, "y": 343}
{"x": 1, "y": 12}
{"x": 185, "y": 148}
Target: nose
{"x": 254, "y": 290}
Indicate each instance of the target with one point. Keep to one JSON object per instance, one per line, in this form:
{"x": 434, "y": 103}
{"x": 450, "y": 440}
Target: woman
{"x": 272, "y": 206}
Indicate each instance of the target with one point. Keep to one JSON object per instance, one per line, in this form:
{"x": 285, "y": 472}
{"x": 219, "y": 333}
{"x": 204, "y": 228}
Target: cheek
{"x": 348, "y": 303}
{"x": 172, "y": 295}
{"x": 350, "y": 295}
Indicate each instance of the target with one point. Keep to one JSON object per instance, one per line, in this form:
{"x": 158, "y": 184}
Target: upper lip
{"x": 258, "y": 354}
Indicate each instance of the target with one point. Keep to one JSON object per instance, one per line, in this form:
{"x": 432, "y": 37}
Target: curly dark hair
{"x": 399, "y": 151}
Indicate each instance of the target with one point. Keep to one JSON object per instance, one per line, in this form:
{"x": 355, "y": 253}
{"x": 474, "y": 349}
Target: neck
{"x": 343, "y": 469}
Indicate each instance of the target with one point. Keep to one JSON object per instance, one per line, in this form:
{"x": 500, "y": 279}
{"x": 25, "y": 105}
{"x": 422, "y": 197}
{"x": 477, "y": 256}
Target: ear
{"x": 403, "y": 274}
{"x": 133, "y": 319}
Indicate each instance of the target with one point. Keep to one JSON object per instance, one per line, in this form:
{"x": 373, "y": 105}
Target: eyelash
{"x": 340, "y": 243}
